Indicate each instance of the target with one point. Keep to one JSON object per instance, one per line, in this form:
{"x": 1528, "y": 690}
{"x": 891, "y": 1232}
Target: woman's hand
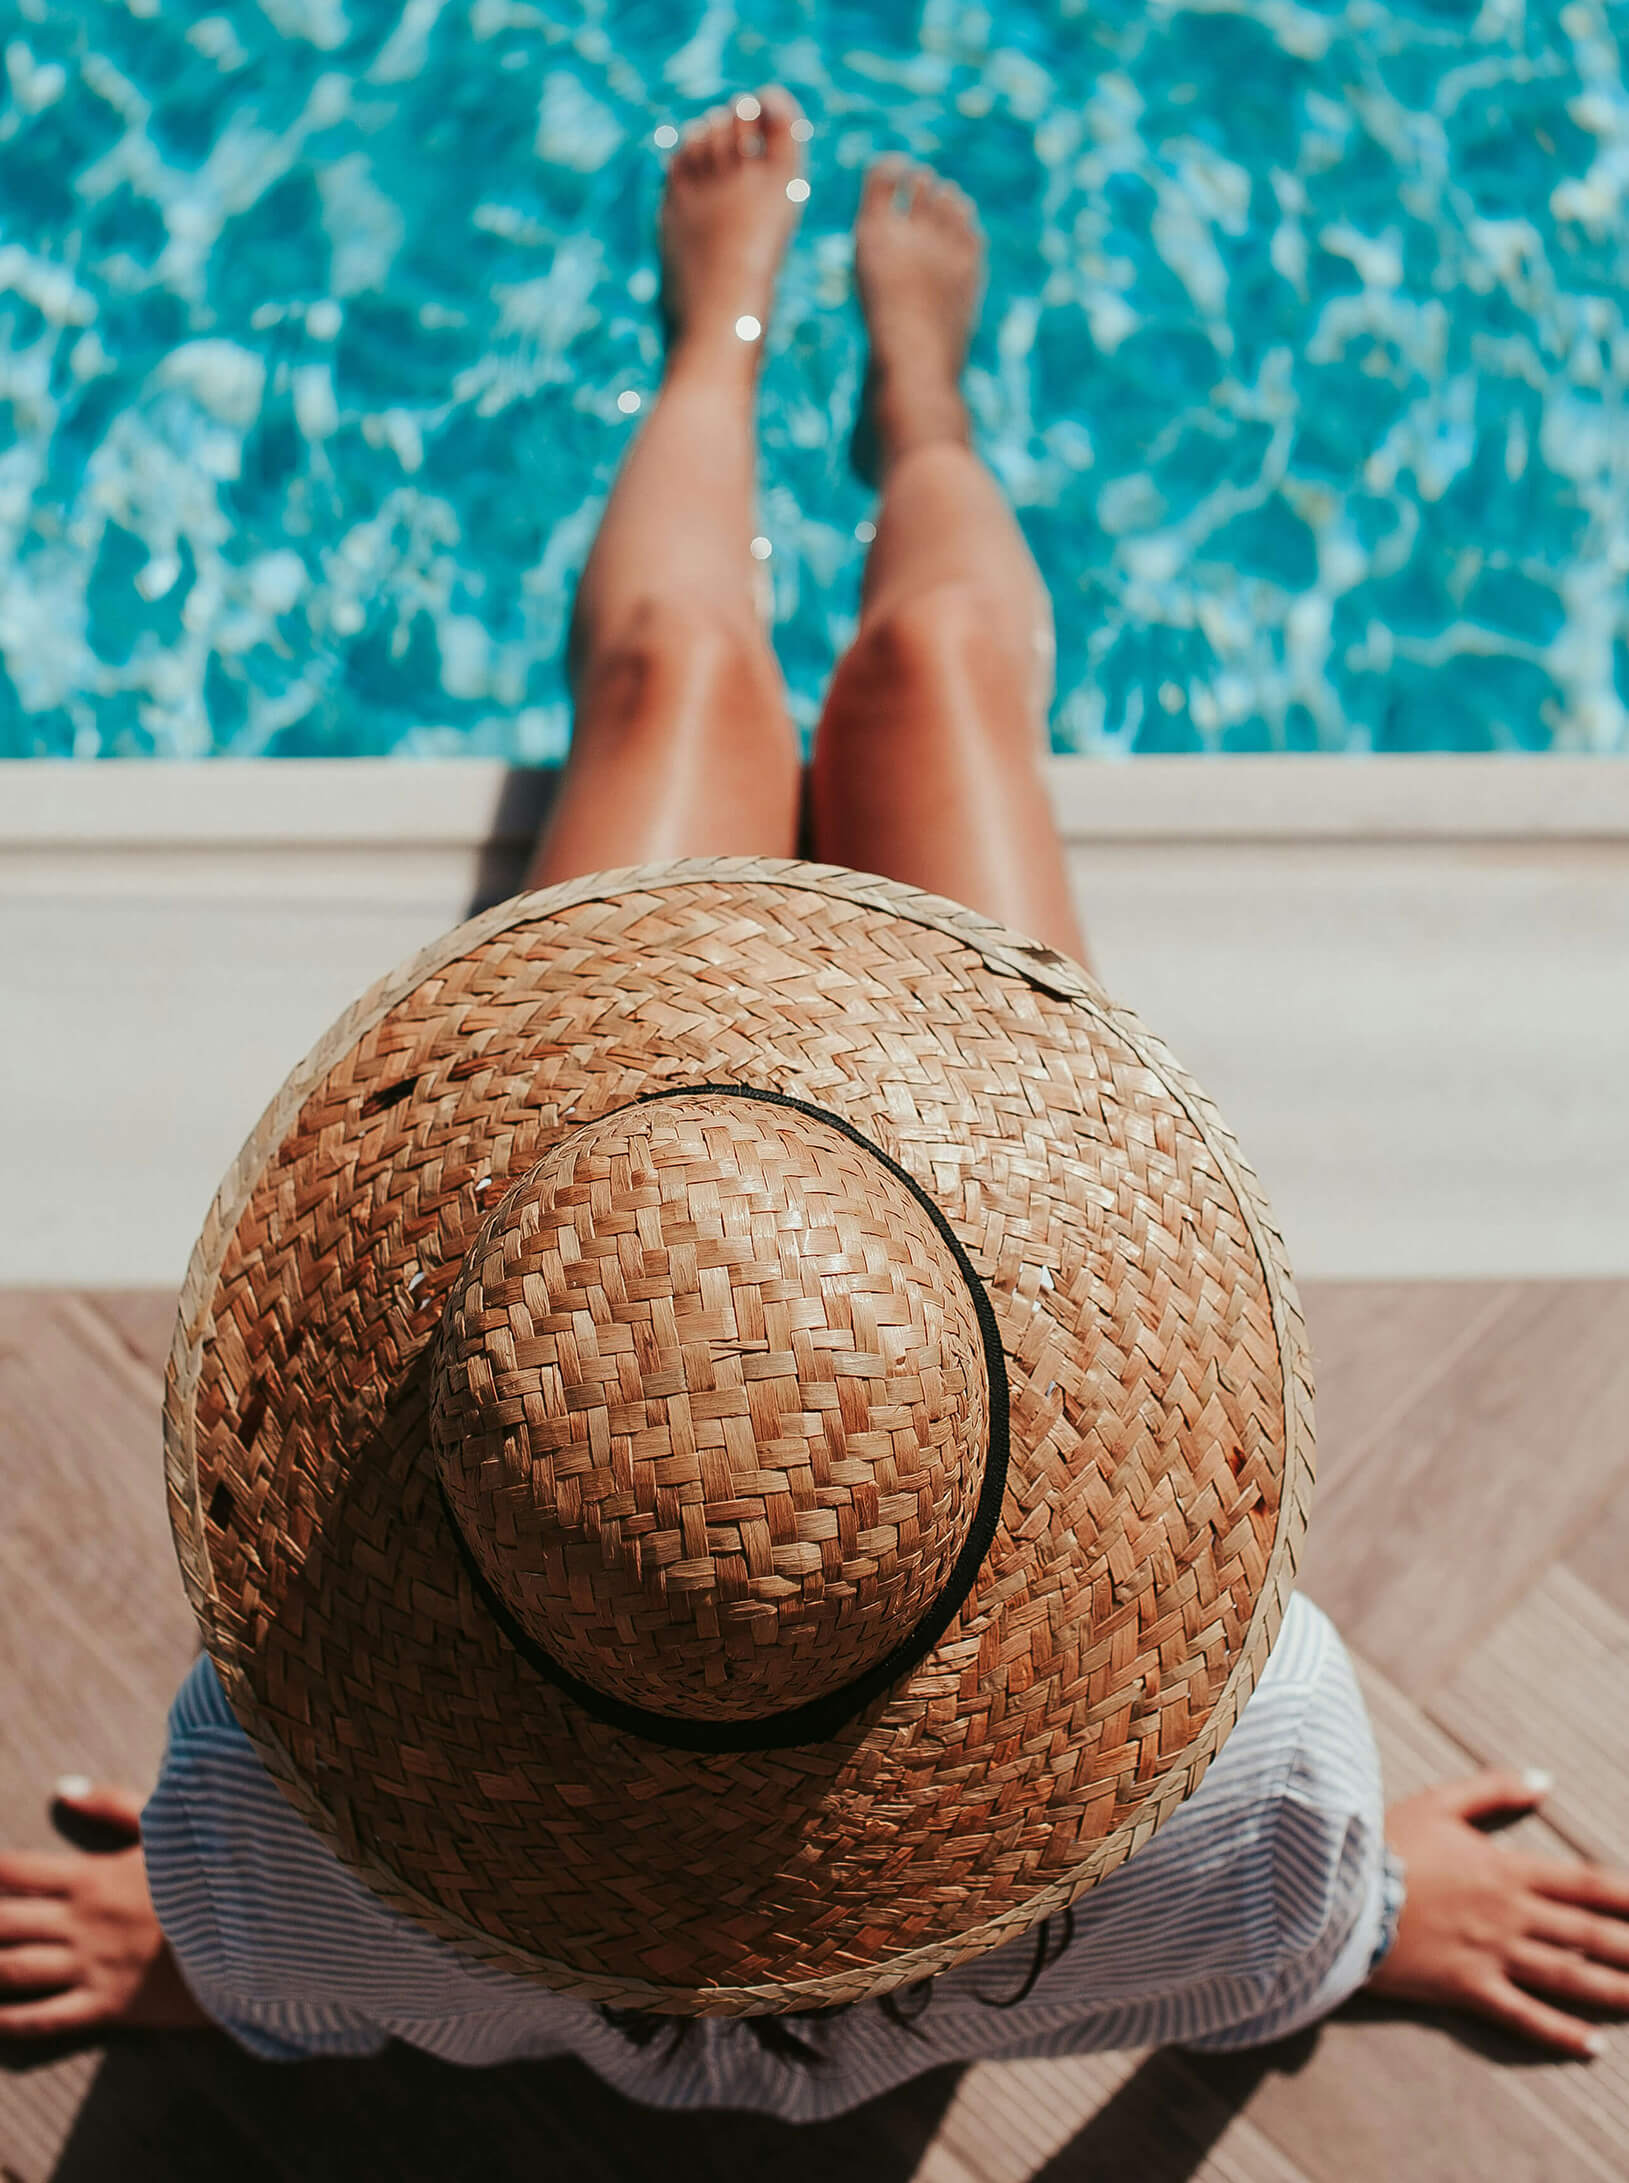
{"x": 80, "y": 1945}
{"x": 1491, "y": 1929}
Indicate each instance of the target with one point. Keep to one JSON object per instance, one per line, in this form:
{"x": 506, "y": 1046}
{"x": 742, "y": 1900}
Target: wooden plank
{"x": 65, "y": 1711}
{"x": 81, "y": 1465}
{"x": 1592, "y": 2103}
{"x": 1598, "y": 1554}
{"x": 1093, "y": 2116}
{"x": 1589, "y": 2104}
{"x": 1366, "y": 2096}
{"x": 1416, "y": 1754}
{"x": 150, "y": 2115}
{"x": 1479, "y": 1480}
{"x": 1403, "y": 2095}
{"x": 68, "y": 1710}
{"x": 1008, "y": 2118}
{"x": 1375, "y": 2097}
{"x": 1546, "y": 1687}
{"x": 406, "y": 2116}
{"x": 144, "y": 1320}
{"x": 94, "y": 1631}
{"x": 1377, "y": 1346}
{"x": 39, "y": 2104}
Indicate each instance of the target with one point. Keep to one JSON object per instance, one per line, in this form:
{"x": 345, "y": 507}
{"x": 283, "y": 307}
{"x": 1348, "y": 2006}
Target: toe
{"x": 920, "y": 193}
{"x": 955, "y": 209}
{"x": 701, "y": 142}
{"x": 782, "y": 124}
{"x": 720, "y": 140}
{"x": 687, "y": 160}
{"x": 745, "y": 136}
{"x": 883, "y": 182}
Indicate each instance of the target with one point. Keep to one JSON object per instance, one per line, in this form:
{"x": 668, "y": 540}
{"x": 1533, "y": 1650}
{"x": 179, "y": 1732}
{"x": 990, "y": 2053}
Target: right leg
{"x": 681, "y": 744}
{"x": 929, "y": 760}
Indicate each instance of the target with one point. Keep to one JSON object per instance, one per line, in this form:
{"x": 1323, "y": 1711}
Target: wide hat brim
{"x": 1160, "y": 1443}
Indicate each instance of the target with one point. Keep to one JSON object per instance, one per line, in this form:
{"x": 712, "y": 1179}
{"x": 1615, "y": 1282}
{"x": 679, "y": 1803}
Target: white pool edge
{"x": 141, "y": 803}
{"x": 1405, "y": 981}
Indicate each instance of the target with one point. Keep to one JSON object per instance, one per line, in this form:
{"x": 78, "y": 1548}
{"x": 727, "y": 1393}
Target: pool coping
{"x": 156, "y": 803}
{"x": 1400, "y": 978}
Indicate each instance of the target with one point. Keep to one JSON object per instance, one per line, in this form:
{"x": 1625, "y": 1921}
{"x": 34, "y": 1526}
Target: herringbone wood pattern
{"x": 1471, "y": 1537}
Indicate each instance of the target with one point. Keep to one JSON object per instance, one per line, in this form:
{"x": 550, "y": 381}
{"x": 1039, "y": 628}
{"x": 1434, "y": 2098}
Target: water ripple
{"x": 1304, "y": 357}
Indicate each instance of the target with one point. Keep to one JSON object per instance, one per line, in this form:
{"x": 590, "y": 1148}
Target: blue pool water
{"x": 1304, "y": 357}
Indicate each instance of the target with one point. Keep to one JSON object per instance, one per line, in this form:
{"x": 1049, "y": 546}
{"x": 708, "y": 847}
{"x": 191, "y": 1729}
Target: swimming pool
{"x": 1304, "y": 358}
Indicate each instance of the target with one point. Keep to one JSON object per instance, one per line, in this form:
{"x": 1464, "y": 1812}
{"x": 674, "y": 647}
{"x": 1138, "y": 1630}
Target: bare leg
{"x": 681, "y": 744}
{"x": 928, "y": 763}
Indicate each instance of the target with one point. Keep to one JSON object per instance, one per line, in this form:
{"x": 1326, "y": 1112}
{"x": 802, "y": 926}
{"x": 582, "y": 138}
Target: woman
{"x": 1271, "y": 1894}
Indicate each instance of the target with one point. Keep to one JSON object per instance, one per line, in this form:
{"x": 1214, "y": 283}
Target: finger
{"x": 75, "y": 2010}
{"x": 105, "y": 1803}
{"x": 1606, "y": 1939}
{"x": 35, "y": 1872}
{"x": 1535, "y": 2019}
{"x": 32, "y": 1917}
{"x": 35, "y": 1969}
{"x": 1597, "y": 1887}
{"x": 1495, "y": 1789}
{"x": 1571, "y": 1977}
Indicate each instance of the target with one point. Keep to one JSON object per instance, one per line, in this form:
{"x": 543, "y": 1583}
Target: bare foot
{"x": 734, "y": 194}
{"x": 1490, "y": 1929}
{"x": 80, "y": 1946}
{"x": 919, "y": 266}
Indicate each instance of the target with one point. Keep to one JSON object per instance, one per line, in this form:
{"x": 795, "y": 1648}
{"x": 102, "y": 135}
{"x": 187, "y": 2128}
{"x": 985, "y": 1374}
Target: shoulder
{"x": 256, "y": 1903}
{"x": 1233, "y": 1883}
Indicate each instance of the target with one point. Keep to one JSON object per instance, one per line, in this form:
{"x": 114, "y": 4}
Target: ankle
{"x": 914, "y": 409}
{"x": 714, "y": 355}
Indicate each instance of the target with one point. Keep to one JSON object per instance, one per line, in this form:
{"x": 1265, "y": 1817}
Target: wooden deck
{"x": 1471, "y": 1538}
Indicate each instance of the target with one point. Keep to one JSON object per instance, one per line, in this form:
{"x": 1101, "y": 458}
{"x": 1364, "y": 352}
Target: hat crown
{"x": 711, "y": 1406}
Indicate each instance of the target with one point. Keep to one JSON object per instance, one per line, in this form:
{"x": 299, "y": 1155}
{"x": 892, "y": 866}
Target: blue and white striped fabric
{"x": 1260, "y": 1904}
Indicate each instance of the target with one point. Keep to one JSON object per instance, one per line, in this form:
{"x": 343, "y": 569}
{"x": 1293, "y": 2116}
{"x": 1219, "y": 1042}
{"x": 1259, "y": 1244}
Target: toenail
{"x": 747, "y": 107}
{"x": 666, "y": 137}
{"x": 747, "y": 327}
{"x": 801, "y": 131}
{"x": 797, "y": 189}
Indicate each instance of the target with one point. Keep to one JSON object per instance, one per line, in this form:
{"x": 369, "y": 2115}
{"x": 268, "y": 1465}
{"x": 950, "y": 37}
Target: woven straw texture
{"x": 827, "y": 1431}
{"x": 690, "y": 1318}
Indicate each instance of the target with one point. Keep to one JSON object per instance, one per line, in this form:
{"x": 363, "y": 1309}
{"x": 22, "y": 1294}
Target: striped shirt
{"x": 1259, "y": 1905}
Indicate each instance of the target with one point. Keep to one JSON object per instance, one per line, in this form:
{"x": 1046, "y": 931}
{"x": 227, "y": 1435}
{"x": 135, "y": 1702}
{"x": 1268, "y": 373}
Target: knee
{"x": 948, "y": 634}
{"x": 659, "y": 648}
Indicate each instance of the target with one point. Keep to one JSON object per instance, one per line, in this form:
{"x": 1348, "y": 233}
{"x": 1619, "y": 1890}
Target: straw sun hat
{"x": 737, "y": 1436}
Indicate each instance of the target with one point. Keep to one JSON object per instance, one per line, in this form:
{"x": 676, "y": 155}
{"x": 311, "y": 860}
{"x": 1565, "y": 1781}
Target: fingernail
{"x": 1596, "y": 2043}
{"x": 72, "y": 1787}
{"x": 1536, "y": 1779}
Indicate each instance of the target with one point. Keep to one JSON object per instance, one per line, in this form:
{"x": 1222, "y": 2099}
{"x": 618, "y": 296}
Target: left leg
{"x": 681, "y": 744}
